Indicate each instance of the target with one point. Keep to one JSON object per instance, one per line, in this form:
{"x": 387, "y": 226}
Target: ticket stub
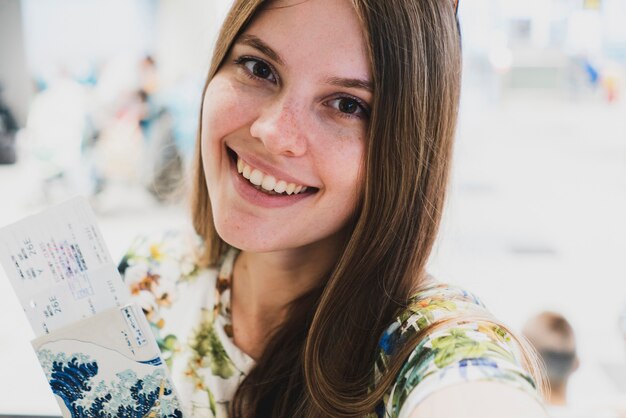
{"x": 60, "y": 267}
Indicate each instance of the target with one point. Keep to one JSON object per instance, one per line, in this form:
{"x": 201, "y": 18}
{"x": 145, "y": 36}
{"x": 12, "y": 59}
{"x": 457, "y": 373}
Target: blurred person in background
{"x": 136, "y": 146}
{"x": 148, "y": 75}
{"x": 164, "y": 170}
{"x": 119, "y": 151}
{"x": 164, "y": 167}
{"x": 553, "y": 338}
{"x": 8, "y": 130}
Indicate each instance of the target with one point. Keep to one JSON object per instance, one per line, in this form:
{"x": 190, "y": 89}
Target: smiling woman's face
{"x": 288, "y": 112}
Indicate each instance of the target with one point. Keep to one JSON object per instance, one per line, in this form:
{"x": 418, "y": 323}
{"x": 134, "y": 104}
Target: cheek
{"x": 224, "y": 111}
{"x": 349, "y": 158}
{"x": 343, "y": 166}
{"x": 353, "y": 186}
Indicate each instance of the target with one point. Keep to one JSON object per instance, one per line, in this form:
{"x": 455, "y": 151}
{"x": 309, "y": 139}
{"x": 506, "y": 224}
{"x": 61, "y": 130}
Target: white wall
{"x": 185, "y": 34}
{"x": 66, "y": 34}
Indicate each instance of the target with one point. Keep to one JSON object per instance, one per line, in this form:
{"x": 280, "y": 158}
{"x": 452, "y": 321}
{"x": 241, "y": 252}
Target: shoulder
{"x": 456, "y": 341}
{"x": 436, "y": 304}
{"x": 479, "y": 400}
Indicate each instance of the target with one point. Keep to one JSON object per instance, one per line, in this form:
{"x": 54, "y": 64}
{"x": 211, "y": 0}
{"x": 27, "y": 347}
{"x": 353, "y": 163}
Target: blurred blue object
{"x": 592, "y": 72}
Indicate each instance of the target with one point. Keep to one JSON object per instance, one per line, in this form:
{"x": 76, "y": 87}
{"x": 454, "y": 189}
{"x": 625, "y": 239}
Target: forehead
{"x": 317, "y": 34}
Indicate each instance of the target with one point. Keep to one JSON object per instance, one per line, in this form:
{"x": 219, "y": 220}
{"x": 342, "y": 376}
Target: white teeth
{"x": 280, "y": 187}
{"x": 256, "y": 177}
{"x": 266, "y": 181}
{"x": 269, "y": 182}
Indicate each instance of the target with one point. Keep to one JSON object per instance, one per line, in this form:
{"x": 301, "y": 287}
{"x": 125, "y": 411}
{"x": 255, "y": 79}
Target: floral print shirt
{"x": 189, "y": 310}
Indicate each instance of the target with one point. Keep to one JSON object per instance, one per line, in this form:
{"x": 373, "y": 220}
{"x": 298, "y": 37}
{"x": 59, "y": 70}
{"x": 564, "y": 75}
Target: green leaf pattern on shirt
{"x": 209, "y": 351}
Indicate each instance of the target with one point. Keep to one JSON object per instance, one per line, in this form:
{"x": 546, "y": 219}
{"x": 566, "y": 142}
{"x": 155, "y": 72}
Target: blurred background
{"x": 101, "y": 98}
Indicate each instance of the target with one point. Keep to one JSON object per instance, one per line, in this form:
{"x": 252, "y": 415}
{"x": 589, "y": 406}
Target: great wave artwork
{"x": 85, "y": 392}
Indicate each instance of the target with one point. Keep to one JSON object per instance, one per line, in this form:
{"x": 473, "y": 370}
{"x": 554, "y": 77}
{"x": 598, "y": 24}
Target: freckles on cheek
{"x": 350, "y": 150}
{"x": 226, "y": 109}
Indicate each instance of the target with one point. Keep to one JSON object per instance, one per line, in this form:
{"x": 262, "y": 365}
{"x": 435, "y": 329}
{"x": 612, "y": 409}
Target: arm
{"x": 479, "y": 400}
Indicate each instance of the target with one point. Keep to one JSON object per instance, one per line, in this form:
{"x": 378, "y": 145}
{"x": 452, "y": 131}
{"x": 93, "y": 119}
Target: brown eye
{"x": 257, "y": 68}
{"x": 348, "y": 105}
{"x": 261, "y": 70}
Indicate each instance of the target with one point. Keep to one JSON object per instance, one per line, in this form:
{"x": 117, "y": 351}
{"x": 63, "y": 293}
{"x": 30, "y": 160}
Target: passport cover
{"x": 108, "y": 365}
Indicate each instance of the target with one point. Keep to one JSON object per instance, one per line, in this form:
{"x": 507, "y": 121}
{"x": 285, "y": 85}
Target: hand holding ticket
{"x": 92, "y": 342}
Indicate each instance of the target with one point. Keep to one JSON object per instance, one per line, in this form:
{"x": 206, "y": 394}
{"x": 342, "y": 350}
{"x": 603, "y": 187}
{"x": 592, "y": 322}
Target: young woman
{"x": 323, "y": 157}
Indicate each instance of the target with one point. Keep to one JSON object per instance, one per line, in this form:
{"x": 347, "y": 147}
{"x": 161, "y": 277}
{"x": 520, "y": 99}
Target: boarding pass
{"x": 60, "y": 267}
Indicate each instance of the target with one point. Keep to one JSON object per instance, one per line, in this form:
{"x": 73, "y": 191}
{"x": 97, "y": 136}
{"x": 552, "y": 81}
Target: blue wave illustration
{"x": 128, "y": 396}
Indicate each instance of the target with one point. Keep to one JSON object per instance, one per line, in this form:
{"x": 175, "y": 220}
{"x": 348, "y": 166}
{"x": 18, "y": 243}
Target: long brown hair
{"x": 320, "y": 361}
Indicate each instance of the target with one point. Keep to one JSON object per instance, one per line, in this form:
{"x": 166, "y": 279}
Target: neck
{"x": 558, "y": 395}
{"x": 264, "y": 284}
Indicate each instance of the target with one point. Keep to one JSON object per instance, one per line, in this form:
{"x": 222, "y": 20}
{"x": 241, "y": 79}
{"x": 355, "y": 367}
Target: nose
{"x": 280, "y": 126}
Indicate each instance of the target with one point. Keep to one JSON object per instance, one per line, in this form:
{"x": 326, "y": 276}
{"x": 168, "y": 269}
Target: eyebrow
{"x": 258, "y": 44}
{"x": 351, "y": 83}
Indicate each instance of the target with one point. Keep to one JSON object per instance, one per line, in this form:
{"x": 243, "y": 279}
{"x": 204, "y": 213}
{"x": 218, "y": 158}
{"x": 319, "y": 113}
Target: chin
{"x": 244, "y": 238}
{"x": 262, "y": 240}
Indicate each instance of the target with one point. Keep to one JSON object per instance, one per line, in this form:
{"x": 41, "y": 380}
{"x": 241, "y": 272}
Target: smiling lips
{"x": 267, "y": 183}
